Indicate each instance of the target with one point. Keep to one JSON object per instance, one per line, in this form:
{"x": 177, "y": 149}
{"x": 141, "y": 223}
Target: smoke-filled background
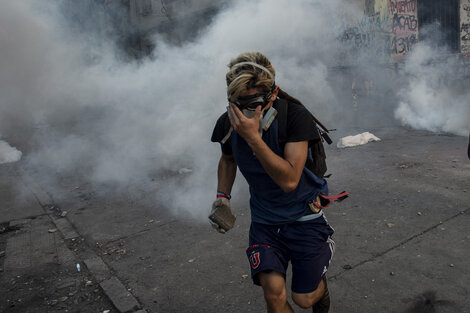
{"x": 85, "y": 108}
{"x": 435, "y": 98}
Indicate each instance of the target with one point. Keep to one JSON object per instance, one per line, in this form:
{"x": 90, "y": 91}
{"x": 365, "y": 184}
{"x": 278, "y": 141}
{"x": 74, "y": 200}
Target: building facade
{"x": 405, "y": 22}
{"x": 394, "y": 26}
{"x": 177, "y": 20}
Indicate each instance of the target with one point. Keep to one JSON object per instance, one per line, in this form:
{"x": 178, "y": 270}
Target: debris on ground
{"x": 185, "y": 170}
{"x": 57, "y": 210}
{"x": 357, "y": 140}
{"x": 56, "y": 289}
{"x": 408, "y": 165}
{"x": 117, "y": 253}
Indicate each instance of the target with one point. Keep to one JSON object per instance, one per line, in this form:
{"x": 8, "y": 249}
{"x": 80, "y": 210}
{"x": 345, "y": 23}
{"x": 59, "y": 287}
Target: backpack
{"x": 316, "y": 160}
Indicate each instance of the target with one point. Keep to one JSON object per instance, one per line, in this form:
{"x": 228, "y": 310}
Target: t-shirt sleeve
{"x": 300, "y": 124}
{"x": 222, "y": 127}
{"x": 227, "y": 147}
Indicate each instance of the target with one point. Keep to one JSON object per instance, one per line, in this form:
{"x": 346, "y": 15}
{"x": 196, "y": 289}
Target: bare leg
{"x": 275, "y": 293}
{"x": 306, "y": 300}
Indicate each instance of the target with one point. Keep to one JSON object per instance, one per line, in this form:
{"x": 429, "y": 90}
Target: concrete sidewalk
{"x": 45, "y": 265}
{"x": 402, "y": 233}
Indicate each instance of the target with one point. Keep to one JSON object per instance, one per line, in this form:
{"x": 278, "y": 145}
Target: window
{"x": 438, "y": 22}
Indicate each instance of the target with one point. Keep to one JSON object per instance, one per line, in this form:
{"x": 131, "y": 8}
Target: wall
{"x": 381, "y": 8}
{"x": 404, "y": 25}
{"x": 465, "y": 26}
{"x": 396, "y": 21}
{"x": 363, "y": 32}
{"x": 148, "y": 15}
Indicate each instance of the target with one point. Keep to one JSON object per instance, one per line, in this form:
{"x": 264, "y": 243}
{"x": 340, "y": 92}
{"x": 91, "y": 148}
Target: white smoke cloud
{"x": 124, "y": 122}
{"x": 127, "y": 122}
{"x": 436, "y": 96}
{"x": 8, "y": 153}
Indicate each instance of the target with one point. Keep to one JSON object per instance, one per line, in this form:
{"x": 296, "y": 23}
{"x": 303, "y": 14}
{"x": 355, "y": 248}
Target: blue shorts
{"x": 307, "y": 245}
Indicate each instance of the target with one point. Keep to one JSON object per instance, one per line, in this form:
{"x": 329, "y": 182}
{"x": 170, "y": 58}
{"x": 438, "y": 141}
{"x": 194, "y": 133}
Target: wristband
{"x": 221, "y": 194}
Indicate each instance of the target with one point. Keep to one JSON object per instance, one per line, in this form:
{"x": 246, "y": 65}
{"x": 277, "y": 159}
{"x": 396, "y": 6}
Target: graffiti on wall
{"x": 355, "y": 37}
{"x": 403, "y": 6}
{"x": 394, "y": 32}
{"x": 466, "y": 9}
{"x": 404, "y": 25}
{"x": 465, "y": 26}
{"x": 373, "y": 23}
{"x": 465, "y": 30}
{"x": 366, "y": 33}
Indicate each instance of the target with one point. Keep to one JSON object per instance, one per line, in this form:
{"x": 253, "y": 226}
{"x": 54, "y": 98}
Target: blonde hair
{"x": 249, "y": 70}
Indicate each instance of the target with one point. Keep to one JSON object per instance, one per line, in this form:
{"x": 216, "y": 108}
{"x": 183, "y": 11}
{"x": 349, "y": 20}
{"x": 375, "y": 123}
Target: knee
{"x": 304, "y": 301}
{"x": 275, "y": 296}
{"x": 307, "y": 300}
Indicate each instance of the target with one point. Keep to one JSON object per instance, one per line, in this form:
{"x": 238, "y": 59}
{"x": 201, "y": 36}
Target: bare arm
{"x": 285, "y": 172}
{"x": 226, "y": 173}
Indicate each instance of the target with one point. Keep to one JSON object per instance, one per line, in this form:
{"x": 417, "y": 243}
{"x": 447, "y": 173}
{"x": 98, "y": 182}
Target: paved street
{"x": 402, "y": 233}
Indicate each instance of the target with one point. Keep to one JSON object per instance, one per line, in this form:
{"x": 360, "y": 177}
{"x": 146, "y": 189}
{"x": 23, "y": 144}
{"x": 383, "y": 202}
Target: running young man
{"x": 286, "y": 224}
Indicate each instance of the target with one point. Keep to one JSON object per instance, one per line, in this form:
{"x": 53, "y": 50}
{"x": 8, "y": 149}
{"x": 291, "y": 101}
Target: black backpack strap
{"x": 281, "y": 106}
{"x": 316, "y": 159}
{"x": 222, "y": 129}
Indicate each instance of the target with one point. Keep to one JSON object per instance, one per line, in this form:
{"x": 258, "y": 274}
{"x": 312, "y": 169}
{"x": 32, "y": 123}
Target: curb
{"x": 113, "y": 288}
{"x": 123, "y": 300}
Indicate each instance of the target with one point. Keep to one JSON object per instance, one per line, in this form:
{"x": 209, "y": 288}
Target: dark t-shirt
{"x": 269, "y": 204}
{"x": 300, "y": 127}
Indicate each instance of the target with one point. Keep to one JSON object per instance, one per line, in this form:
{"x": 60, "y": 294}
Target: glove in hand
{"x": 221, "y": 216}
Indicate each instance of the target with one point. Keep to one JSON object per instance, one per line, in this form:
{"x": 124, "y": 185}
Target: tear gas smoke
{"x": 127, "y": 122}
{"x": 436, "y": 96}
{"x": 8, "y": 153}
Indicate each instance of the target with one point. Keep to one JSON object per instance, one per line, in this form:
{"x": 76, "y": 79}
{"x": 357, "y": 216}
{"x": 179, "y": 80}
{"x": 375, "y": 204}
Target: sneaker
{"x": 323, "y": 305}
